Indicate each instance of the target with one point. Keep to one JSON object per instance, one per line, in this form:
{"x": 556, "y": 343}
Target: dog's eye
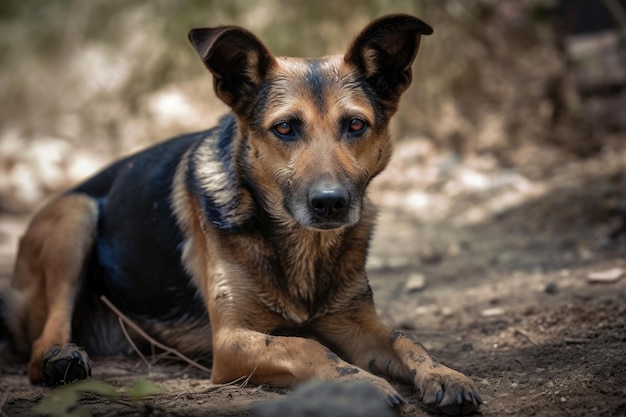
{"x": 283, "y": 130}
{"x": 356, "y": 125}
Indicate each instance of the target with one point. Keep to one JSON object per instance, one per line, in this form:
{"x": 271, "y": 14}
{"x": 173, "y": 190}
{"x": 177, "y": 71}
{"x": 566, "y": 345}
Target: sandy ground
{"x": 509, "y": 261}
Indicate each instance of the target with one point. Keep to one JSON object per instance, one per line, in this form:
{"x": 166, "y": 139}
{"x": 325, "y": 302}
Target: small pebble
{"x": 415, "y": 282}
{"x": 467, "y": 346}
{"x": 608, "y": 275}
{"x": 407, "y": 325}
{"x": 551, "y": 288}
{"x": 491, "y": 312}
{"x": 446, "y": 311}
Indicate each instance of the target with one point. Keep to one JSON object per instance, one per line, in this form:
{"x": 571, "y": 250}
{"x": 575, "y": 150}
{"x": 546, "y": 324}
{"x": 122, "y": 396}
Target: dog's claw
{"x": 450, "y": 393}
{"x": 455, "y": 404}
{"x": 395, "y": 400}
{"x": 439, "y": 396}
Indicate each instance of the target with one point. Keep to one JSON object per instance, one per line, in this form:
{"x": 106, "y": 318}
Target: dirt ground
{"x": 509, "y": 260}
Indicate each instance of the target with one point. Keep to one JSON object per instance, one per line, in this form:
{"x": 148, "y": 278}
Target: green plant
{"x": 63, "y": 401}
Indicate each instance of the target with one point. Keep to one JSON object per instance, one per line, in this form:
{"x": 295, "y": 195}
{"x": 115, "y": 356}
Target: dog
{"x": 245, "y": 244}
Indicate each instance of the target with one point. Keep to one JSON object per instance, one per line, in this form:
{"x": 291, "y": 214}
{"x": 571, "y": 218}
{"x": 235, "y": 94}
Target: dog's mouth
{"x": 324, "y": 226}
{"x": 310, "y": 221}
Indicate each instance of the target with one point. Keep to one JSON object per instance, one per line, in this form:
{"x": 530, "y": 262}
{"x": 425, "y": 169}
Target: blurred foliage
{"x": 113, "y": 76}
{"x": 64, "y": 401}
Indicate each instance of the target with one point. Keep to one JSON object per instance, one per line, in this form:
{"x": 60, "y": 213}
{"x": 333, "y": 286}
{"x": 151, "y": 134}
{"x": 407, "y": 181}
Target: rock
{"x": 431, "y": 255}
{"x": 320, "y": 399}
{"x": 606, "y": 276}
{"x": 467, "y": 346}
{"x": 416, "y": 282}
{"x": 491, "y": 312}
{"x": 551, "y": 288}
{"x": 407, "y": 325}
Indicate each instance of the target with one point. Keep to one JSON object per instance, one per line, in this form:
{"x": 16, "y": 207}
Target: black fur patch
{"x": 347, "y": 370}
{"x": 212, "y": 176}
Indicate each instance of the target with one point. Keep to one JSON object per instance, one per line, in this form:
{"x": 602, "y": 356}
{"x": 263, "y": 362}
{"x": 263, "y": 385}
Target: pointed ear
{"x": 384, "y": 52}
{"x": 237, "y": 59}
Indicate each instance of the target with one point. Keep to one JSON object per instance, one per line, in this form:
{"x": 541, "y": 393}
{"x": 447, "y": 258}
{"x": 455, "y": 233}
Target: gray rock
{"x": 322, "y": 399}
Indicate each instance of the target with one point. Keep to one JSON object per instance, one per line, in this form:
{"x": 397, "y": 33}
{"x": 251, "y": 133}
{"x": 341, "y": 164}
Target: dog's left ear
{"x": 384, "y": 52}
{"x": 237, "y": 59}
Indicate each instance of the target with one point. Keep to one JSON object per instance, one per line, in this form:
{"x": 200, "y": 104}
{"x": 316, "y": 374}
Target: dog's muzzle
{"x": 324, "y": 205}
{"x": 328, "y": 200}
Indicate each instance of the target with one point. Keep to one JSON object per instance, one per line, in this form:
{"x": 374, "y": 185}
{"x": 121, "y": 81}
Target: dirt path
{"x": 508, "y": 296}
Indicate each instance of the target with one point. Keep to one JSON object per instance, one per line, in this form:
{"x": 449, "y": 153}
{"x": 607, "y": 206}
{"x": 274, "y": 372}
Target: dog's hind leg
{"x": 39, "y": 306}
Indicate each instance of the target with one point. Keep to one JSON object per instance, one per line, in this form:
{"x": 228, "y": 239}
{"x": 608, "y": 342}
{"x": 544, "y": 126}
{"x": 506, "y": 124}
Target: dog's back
{"x": 137, "y": 251}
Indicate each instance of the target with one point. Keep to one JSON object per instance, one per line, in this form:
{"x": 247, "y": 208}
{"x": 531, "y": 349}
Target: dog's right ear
{"x": 237, "y": 59}
{"x": 384, "y": 52}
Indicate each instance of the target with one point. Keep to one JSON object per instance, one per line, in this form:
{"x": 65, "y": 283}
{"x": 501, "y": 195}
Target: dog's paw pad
{"x": 64, "y": 365}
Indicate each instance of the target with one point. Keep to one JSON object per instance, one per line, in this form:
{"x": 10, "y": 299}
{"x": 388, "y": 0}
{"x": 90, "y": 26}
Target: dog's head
{"x": 313, "y": 131}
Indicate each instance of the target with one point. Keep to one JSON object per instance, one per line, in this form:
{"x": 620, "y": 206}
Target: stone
{"x": 416, "y": 282}
{"x": 321, "y": 399}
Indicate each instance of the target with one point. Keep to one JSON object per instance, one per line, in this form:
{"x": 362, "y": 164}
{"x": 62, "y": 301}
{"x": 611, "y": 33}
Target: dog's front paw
{"x": 384, "y": 388}
{"x": 64, "y": 365}
{"x": 450, "y": 392}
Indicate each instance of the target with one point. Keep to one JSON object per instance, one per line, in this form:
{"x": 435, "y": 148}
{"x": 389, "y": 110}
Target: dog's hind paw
{"x": 64, "y": 365}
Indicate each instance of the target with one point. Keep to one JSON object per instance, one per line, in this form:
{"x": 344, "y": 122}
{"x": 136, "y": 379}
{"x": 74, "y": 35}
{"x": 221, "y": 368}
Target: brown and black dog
{"x": 236, "y": 243}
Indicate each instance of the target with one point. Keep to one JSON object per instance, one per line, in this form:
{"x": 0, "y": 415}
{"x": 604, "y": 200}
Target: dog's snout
{"x": 328, "y": 199}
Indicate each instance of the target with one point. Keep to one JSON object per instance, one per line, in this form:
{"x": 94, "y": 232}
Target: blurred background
{"x": 506, "y": 94}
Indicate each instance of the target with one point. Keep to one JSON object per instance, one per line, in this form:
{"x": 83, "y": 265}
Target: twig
{"x": 219, "y": 387}
{"x": 133, "y": 345}
{"x": 617, "y": 11}
{"x": 576, "y": 340}
{"x": 154, "y": 342}
{"x": 247, "y": 379}
{"x": 520, "y": 364}
{"x": 527, "y": 336}
{"x": 3, "y": 401}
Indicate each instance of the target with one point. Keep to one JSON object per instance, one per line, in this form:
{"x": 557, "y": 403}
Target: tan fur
{"x": 47, "y": 272}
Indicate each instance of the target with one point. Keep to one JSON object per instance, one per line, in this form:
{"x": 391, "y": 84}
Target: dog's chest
{"x": 286, "y": 280}
{"x": 301, "y": 300}
{"x": 304, "y": 291}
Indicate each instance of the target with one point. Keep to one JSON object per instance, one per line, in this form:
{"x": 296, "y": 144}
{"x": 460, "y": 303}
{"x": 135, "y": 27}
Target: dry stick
{"x": 133, "y": 345}
{"x": 526, "y": 335}
{"x": 143, "y": 334}
{"x": 220, "y": 387}
{"x": 247, "y": 379}
{"x": 3, "y": 400}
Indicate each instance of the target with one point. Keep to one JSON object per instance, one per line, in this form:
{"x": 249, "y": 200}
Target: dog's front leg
{"x": 366, "y": 341}
{"x": 284, "y": 361}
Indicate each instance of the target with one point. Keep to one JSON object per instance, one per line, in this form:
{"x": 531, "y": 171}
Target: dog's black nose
{"x": 328, "y": 199}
